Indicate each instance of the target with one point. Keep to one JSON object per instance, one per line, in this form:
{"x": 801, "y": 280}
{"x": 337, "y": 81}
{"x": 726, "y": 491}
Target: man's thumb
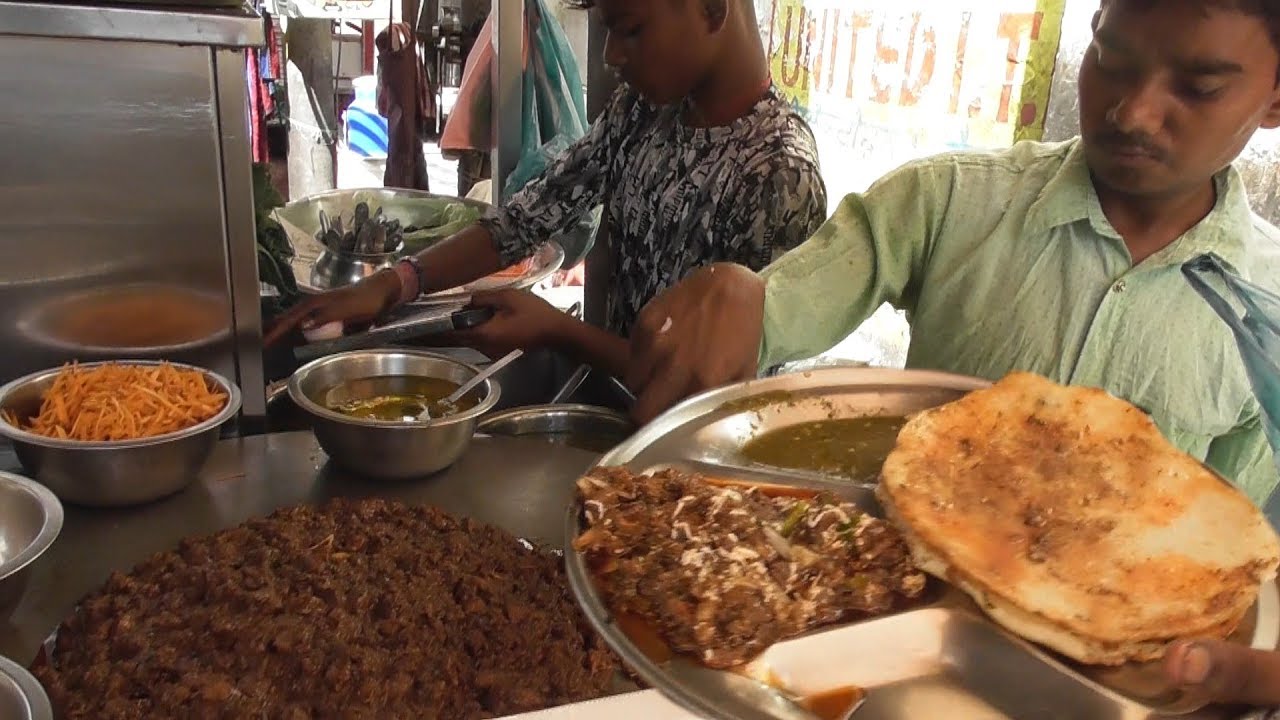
{"x": 1225, "y": 672}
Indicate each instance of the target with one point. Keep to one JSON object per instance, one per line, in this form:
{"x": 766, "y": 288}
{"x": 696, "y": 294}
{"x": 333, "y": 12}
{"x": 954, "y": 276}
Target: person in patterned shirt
{"x": 697, "y": 160}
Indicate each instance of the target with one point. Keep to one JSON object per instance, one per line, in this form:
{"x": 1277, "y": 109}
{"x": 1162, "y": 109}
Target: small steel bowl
{"x": 335, "y": 269}
{"x": 384, "y": 449}
{"x": 30, "y": 520}
{"x": 585, "y": 427}
{"x": 119, "y": 473}
{"x": 21, "y": 697}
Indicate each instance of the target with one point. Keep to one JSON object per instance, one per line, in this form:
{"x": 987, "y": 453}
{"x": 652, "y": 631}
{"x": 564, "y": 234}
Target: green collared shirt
{"x": 1004, "y": 261}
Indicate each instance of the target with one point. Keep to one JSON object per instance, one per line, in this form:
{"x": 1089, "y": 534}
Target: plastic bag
{"x": 555, "y": 116}
{"x": 553, "y": 107}
{"x": 553, "y": 111}
{"x": 1257, "y": 333}
{"x": 470, "y": 123}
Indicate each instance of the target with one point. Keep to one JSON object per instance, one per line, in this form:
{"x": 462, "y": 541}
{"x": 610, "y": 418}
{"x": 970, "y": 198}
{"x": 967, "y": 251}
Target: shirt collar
{"x": 1068, "y": 197}
{"x": 1227, "y": 231}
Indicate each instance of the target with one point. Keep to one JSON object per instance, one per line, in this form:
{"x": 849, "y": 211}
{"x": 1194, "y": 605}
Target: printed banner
{"x": 885, "y": 81}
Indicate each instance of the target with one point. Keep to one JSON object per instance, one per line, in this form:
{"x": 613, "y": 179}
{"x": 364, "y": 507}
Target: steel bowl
{"x": 335, "y": 269}
{"x": 30, "y": 520}
{"x": 21, "y": 697}
{"x": 118, "y": 473}
{"x": 384, "y": 449}
{"x": 586, "y": 427}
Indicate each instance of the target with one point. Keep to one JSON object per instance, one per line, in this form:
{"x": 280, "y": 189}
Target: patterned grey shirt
{"x": 677, "y": 197}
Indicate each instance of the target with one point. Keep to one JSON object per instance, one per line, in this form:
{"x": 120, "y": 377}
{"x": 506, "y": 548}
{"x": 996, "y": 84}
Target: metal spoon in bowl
{"x": 440, "y": 407}
{"x": 747, "y": 697}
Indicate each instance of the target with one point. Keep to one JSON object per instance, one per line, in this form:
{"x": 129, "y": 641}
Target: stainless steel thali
{"x": 941, "y": 659}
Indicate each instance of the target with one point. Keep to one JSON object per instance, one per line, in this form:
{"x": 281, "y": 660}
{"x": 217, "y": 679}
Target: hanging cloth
{"x": 553, "y": 110}
{"x": 405, "y": 100}
{"x": 259, "y": 99}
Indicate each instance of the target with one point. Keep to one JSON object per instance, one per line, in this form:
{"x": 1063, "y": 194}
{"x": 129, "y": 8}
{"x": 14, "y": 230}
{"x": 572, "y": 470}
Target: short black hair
{"x": 1268, "y": 11}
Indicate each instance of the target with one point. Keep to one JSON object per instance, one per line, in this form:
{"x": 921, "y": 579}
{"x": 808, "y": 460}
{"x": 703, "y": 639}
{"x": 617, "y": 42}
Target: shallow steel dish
{"x": 30, "y": 520}
{"x": 586, "y": 427}
{"x": 111, "y": 474}
{"x": 21, "y": 697}
{"x": 940, "y": 659}
{"x": 205, "y": 321}
{"x": 387, "y": 449}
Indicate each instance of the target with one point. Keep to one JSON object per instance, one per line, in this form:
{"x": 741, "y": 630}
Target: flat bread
{"x": 1070, "y": 519}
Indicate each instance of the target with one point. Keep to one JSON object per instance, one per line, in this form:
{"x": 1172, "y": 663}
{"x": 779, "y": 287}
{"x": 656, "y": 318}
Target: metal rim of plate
{"x": 546, "y": 261}
{"x": 683, "y": 431}
{"x": 14, "y": 677}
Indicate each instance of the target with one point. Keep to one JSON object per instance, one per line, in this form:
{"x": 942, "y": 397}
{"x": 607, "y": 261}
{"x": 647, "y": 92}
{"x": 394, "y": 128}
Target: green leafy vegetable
{"x": 794, "y": 516}
{"x": 451, "y": 218}
{"x": 274, "y": 250}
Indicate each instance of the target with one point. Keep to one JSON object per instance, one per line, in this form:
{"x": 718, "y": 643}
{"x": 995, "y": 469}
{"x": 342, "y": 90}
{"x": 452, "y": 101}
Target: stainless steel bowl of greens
{"x": 377, "y": 223}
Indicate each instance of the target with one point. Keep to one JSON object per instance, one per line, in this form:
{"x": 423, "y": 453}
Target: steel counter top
{"x": 522, "y": 486}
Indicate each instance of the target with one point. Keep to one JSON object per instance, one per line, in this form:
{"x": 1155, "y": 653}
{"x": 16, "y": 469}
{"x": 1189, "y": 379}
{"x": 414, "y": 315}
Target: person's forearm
{"x": 598, "y": 348}
{"x": 459, "y": 259}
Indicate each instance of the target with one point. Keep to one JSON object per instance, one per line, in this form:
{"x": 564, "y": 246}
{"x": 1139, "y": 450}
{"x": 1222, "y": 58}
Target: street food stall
{"x": 192, "y": 528}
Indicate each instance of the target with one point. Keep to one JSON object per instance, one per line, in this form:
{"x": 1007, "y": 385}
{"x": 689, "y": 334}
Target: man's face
{"x": 662, "y": 48}
{"x": 1171, "y": 92}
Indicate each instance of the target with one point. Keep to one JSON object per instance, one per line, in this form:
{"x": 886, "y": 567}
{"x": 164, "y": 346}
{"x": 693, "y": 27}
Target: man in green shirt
{"x": 1061, "y": 259}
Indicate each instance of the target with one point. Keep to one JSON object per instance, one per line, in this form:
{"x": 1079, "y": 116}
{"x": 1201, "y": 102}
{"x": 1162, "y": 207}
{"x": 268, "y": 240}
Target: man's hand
{"x": 521, "y": 320}
{"x": 700, "y": 334}
{"x": 353, "y": 306}
{"x": 1225, "y": 672}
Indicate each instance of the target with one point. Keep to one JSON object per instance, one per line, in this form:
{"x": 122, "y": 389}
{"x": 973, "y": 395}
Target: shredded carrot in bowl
{"x": 117, "y": 401}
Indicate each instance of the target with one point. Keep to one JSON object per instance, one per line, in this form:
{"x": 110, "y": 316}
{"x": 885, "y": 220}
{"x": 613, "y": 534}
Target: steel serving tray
{"x": 942, "y": 658}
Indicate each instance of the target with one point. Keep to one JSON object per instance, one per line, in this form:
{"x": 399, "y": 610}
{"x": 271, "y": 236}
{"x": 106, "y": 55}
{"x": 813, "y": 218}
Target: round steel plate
{"x": 710, "y": 428}
{"x": 707, "y": 432}
{"x": 21, "y": 696}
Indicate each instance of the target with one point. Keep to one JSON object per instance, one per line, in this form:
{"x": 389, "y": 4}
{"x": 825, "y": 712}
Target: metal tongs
{"x": 579, "y": 376}
{"x": 431, "y": 322}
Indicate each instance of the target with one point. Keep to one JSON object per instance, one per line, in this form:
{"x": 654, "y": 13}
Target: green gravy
{"x": 854, "y": 448}
{"x": 396, "y": 398}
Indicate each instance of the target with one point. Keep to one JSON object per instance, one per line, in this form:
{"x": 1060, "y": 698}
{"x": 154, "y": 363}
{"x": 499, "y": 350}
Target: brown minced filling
{"x": 359, "y": 609}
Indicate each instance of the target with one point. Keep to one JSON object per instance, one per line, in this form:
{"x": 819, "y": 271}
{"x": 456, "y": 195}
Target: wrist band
{"x": 412, "y": 279}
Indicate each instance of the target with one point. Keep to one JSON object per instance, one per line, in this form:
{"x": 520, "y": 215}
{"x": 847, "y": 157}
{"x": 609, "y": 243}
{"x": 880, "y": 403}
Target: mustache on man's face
{"x": 1130, "y": 142}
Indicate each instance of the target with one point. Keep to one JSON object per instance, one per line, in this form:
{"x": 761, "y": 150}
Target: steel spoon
{"x": 751, "y": 698}
{"x": 472, "y": 384}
